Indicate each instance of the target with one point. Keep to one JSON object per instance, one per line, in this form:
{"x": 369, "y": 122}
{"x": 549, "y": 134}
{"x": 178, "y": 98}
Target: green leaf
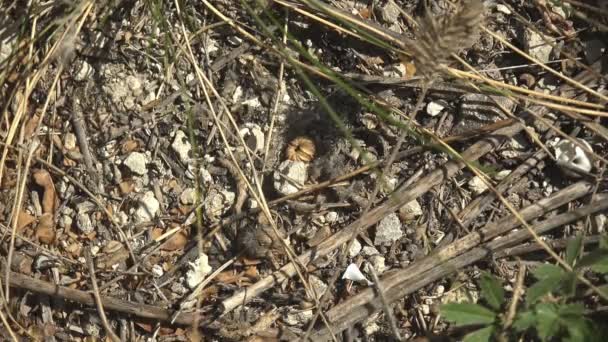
{"x": 492, "y": 290}
{"x": 524, "y": 321}
{"x": 481, "y": 335}
{"x": 604, "y": 242}
{"x": 547, "y": 320}
{"x": 541, "y": 288}
{"x": 597, "y": 255}
{"x": 569, "y": 282}
{"x": 547, "y": 271}
{"x": 467, "y": 313}
{"x": 574, "y": 249}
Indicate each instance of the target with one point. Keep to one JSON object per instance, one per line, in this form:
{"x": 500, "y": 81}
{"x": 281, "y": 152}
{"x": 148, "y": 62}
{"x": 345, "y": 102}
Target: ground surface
{"x": 157, "y": 162}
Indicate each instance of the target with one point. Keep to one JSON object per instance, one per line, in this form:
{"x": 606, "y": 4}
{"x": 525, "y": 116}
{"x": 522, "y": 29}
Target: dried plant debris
{"x": 208, "y": 171}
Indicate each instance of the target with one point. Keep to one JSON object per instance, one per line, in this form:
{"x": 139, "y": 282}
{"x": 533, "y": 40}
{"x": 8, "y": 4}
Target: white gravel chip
{"x": 410, "y": 210}
{"x": 477, "y": 185}
{"x": 198, "y": 270}
{"x": 388, "y": 231}
{"x": 148, "y": 207}
{"x": 297, "y": 317}
{"x": 293, "y": 170}
{"x": 136, "y": 163}
{"x": 434, "y": 108}
{"x": 181, "y": 146}
{"x": 83, "y": 221}
{"x": 354, "y": 249}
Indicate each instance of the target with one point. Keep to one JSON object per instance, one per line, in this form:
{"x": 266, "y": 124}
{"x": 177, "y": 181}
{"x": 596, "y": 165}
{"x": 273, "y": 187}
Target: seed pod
{"x": 301, "y": 149}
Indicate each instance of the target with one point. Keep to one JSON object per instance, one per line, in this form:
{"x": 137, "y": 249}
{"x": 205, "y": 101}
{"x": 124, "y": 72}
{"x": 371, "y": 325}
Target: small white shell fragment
{"x": 434, "y": 108}
{"x": 354, "y": 273}
{"x": 198, "y": 270}
{"x": 567, "y": 152}
{"x": 253, "y": 136}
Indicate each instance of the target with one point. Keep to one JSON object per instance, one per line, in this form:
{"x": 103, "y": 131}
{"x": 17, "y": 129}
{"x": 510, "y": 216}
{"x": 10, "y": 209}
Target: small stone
{"x": 148, "y": 207}
{"x": 318, "y": 285}
{"x": 181, "y": 146}
{"x": 410, "y": 211}
{"x": 253, "y": 136}
{"x": 503, "y": 9}
{"x": 536, "y": 47}
{"x": 157, "y": 271}
{"x": 293, "y": 170}
{"x": 370, "y": 325}
{"x": 198, "y": 270}
{"x": 188, "y": 196}
{"x": 85, "y": 70}
{"x": 599, "y": 223}
{"x": 297, "y": 317}
{"x": 390, "y": 12}
{"x": 378, "y": 262}
{"x": 388, "y": 231}
{"x": 477, "y": 185}
{"x": 331, "y": 217}
{"x": 426, "y": 309}
{"x": 136, "y": 163}
{"x": 134, "y": 85}
{"x": 439, "y": 290}
{"x": 369, "y": 251}
{"x": 69, "y": 141}
{"x": 83, "y": 221}
{"x": 502, "y": 175}
{"x": 354, "y": 249}
{"x": 218, "y": 203}
{"x": 434, "y": 108}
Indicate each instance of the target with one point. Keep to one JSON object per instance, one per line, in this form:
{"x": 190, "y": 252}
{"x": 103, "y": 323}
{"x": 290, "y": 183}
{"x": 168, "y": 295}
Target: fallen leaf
{"x": 24, "y": 219}
{"x": 129, "y": 146}
{"x": 45, "y": 231}
{"x": 50, "y": 202}
{"x": 175, "y": 242}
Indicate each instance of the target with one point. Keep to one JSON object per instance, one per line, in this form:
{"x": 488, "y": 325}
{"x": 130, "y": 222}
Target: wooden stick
{"x": 400, "y": 283}
{"x": 102, "y": 314}
{"x": 21, "y": 281}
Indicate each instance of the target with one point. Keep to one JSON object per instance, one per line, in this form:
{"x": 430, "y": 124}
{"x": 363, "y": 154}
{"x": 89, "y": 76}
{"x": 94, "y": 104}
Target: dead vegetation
{"x": 208, "y": 171}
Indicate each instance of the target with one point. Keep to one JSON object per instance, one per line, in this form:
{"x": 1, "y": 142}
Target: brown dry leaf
{"x": 45, "y": 231}
{"x": 22, "y": 263}
{"x": 69, "y": 162}
{"x": 129, "y": 146}
{"x": 149, "y": 328}
{"x": 251, "y": 272}
{"x": 9, "y": 180}
{"x": 177, "y": 241}
{"x": 114, "y": 253}
{"x": 365, "y": 13}
{"x": 156, "y": 233}
{"x": 24, "y": 219}
{"x": 75, "y": 249}
{"x": 319, "y": 236}
{"x": 30, "y": 127}
{"x": 50, "y": 202}
{"x": 227, "y": 277}
{"x": 126, "y": 187}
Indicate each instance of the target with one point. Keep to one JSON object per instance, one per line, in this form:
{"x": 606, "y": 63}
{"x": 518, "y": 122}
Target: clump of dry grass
{"x": 439, "y": 38}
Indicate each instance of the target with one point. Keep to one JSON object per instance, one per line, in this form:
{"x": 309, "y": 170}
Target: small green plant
{"x": 553, "y": 306}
